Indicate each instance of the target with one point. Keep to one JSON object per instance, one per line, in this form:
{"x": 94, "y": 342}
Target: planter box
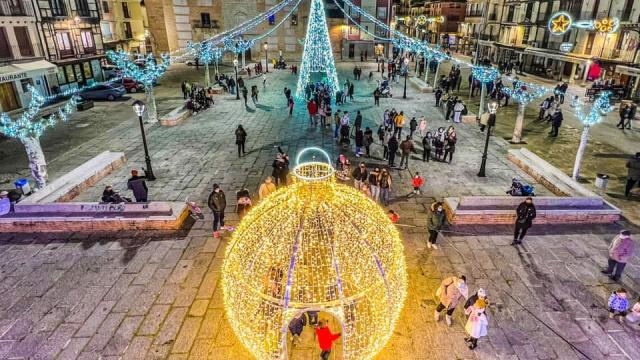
{"x": 175, "y": 117}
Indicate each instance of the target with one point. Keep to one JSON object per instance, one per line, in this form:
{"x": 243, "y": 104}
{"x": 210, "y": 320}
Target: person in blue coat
{"x": 296, "y": 325}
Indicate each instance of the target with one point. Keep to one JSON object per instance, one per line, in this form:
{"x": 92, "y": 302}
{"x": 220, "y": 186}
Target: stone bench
{"x": 175, "y": 117}
{"x": 549, "y": 210}
{"x": 421, "y": 85}
{"x": 217, "y": 90}
{"x": 68, "y": 186}
{"x": 89, "y": 217}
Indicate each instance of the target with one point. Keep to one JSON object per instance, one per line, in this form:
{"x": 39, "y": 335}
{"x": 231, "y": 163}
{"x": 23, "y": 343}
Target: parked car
{"x": 131, "y": 85}
{"x": 103, "y": 92}
{"x": 110, "y": 71}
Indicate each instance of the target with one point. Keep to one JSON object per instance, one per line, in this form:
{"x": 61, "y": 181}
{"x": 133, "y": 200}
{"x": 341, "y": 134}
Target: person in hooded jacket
{"x": 392, "y": 145}
{"x": 241, "y": 138}
{"x": 477, "y": 323}
{"x": 481, "y": 294}
{"x": 138, "y": 185}
{"x": 525, "y": 213}
{"x": 436, "y": 218}
{"x": 217, "y": 202}
{"x": 427, "y": 140}
{"x": 620, "y": 252}
{"x": 450, "y": 292}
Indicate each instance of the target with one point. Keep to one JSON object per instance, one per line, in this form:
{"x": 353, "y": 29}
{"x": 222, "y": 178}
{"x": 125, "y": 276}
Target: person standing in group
{"x": 241, "y": 138}
{"x": 325, "y": 339}
{"x": 386, "y": 136}
{"x": 358, "y": 122}
{"x": 406, "y": 148}
{"x": 384, "y": 181}
{"x": 368, "y": 140}
{"x": 556, "y": 121}
{"x": 450, "y": 144}
{"x": 427, "y": 140}
{"x": 621, "y": 251}
{"x": 481, "y": 294}
{"x": 438, "y": 95}
{"x": 457, "y": 111}
{"x": 280, "y": 168}
{"x": 360, "y": 176}
{"x": 525, "y": 213}
{"x": 422, "y": 126}
{"x": 312, "y": 108}
{"x": 266, "y": 188}
{"x": 376, "y": 96}
{"x": 625, "y": 111}
{"x": 632, "y": 116}
{"x": 438, "y": 143}
{"x": 450, "y": 292}
{"x": 359, "y": 141}
{"x": 477, "y": 323}
{"x": 337, "y": 118}
{"x": 217, "y": 203}
{"x": 633, "y": 174}
{"x": 435, "y": 220}
{"x": 138, "y": 185}
{"x": 296, "y": 326}
{"x": 618, "y": 304}
{"x": 399, "y": 123}
{"x": 393, "y": 149}
{"x": 374, "y": 185}
{"x": 413, "y": 126}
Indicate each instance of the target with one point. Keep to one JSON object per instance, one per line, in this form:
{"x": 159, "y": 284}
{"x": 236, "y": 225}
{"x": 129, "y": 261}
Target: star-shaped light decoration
{"x": 560, "y": 23}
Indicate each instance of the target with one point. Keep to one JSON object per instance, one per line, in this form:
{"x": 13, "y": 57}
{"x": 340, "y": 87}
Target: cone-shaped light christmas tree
{"x": 317, "y": 55}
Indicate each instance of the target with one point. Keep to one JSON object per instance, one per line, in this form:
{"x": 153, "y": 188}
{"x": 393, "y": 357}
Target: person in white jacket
{"x": 477, "y": 323}
{"x": 457, "y": 111}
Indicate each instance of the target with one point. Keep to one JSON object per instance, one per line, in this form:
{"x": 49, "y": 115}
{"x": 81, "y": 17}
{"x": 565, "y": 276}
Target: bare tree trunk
{"x": 206, "y": 74}
{"x": 152, "y": 112}
{"x": 426, "y": 71}
{"x": 517, "y": 131}
{"x": 581, "y": 149}
{"x": 37, "y": 162}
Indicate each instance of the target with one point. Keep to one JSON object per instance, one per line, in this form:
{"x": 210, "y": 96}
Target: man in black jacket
{"x": 138, "y": 185}
{"x": 360, "y": 176}
{"x": 525, "y": 213}
{"x": 393, "y": 148}
{"x": 556, "y": 121}
{"x": 217, "y": 203}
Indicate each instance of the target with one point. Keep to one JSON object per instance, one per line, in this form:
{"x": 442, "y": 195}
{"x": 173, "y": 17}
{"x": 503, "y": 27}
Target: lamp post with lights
{"x": 138, "y": 108}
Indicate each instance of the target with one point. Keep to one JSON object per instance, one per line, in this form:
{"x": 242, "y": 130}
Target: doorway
{"x": 8, "y": 99}
{"x": 352, "y": 51}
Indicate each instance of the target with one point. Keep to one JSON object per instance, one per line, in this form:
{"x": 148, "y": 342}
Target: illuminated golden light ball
{"x": 315, "y": 245}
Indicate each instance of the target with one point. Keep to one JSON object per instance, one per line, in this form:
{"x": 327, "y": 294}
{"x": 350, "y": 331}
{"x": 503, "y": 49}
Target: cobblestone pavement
{"x": 157, "y": 295}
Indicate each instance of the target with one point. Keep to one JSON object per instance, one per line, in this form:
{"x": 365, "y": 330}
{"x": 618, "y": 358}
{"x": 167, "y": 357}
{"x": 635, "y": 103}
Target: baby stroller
{"x": 385, "y": 89}
{"x": 519, "y": 188}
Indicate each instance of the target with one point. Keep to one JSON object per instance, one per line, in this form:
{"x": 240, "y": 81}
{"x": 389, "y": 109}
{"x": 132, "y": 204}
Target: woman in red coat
{"x": 325, "y": 339}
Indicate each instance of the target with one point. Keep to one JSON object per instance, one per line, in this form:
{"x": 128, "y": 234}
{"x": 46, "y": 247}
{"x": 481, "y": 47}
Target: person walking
{"x": 266, "y": 188}
{"x": 450, "y": 292}
{"x": 241, "y": 138}
{"x": 427, "y": 140}
{"x": 477, "y": 323}
{"x": 406, "y": 148}
{"x": 438, "y": 95}
{"x": 625, "y": 111}
{"x": 435, "y": 221}
{"x": 376, "y": 97}
{"x": 358, "y": 122}
{"x": 413, "y": 126}
{"x": 336, "y": 120}
{"x": 387, "y": 134}
{"x": 374, "y": 185}
{"x": 422, "y": 126}
{"x": 618, "y": 304}
{"x": 393, "y": 149}
{"x": 632, "y": 115}
{"x": 290, "y": 104}
{"x": 217, "y": 203}
{"x": 368, "y": 140}
{"x": 633, "y": 174}
{"x": 556, "y": 121}
{"x": 325, "y": 339}
{"x": 254, "y": 94}
{"x": 399, "y": 123}
{"x": 384, "y": 181}
{"x": 296, "y": 326}
{"x": 621, "y": 250}
{"x": 360, "y": 176}
{"x": 525, "y": 213}
{"x": 138, "y": 185}
{"x": 245, "y": 93}
{"x": 312, "y": 108}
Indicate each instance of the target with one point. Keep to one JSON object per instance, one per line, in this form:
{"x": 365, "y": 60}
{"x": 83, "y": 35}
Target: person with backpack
{"x": 217, "y": 202}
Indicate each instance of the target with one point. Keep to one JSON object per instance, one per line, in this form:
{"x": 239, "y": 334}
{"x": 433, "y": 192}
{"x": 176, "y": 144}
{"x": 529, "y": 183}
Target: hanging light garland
{"x": 484, "y": 74}
{"x": 601, "y": 107}
{"x": 25, "y": 126}
{"x": 524, "y": 93}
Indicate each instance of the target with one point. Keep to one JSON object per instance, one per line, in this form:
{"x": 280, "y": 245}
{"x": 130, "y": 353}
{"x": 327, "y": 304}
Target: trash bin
{"x": 23, "y": 185}
{"x": 601, "y": 182}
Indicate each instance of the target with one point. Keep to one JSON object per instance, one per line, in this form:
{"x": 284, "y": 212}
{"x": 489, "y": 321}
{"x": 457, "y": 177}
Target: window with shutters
{"x": 87, "y": 41}
{"x": 105, "y": 7}
{"x": 24, "y": 42}
{"x": 5, "y": 49}
{"x": 63, "y": 39}
{"x": 125, "y": 10}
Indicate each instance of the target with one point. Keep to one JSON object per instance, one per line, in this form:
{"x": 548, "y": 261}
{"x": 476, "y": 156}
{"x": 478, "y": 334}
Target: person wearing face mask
{"x": 620, "y": 252}
{"x": 618, "y": 304}
{"x": 217, "y": 203}
{"x": 450, "y": 292}
{"x": 435, "y": 221}
{"x": 525, "y": 213}
{"x": 384, "y": 181}
{"x": 477, "y": 323}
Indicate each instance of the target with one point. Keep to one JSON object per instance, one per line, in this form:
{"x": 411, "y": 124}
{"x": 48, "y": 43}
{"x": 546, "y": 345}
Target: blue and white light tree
{"x": 601, "y": 106}
{"x": 147, "y": 74}
{"x": 207, "y": 53}
{"x": 30, "y": 126}
{"x": 317, "y": 56}
{"x": 485, "y": 75}
{"x": 523, "y": 94}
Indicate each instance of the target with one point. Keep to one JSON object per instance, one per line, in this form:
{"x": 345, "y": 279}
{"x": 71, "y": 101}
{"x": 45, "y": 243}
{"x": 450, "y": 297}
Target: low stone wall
{"x": 175, "y": 117}
{"x": 91, "y": 217}
{"x": 68, "y": 186}
{"x": 549, "y": 210}
{"x": 421, "y": 85}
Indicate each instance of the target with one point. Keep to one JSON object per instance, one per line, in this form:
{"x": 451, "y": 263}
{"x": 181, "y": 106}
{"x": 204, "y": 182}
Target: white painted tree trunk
{"x": 37, "y": 162}
{"x": 483, "y": 93}
{"x": 152, "y": 112}
{"x": 517, "y": 131}
{"x": 206, "y": 75}
{"x": 426, "y": 73}
{"x": 581, "y": 149}
{"x": 435, "y": 79}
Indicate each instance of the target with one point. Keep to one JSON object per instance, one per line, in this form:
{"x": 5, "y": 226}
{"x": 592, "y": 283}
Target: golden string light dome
{"x": 315, "y": 245}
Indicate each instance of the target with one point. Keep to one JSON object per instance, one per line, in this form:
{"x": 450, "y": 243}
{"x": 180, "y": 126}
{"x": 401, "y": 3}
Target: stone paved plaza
{"x": 157, "y": 295}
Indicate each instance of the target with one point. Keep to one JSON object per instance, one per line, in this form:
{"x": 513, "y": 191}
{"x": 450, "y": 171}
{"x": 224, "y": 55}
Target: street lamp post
{"x": 493, "y": 107}
{"x": 138, "y": 108}
{"x": 266, "y": 56}
{"x": 406, "y": 72}
{"x": 235, "y": 66}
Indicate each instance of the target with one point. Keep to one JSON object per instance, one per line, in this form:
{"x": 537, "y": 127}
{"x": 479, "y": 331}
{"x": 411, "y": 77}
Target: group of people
{"x": 136, "y": 183}
{"x": 551, "y": 112}
{"x": 627, "y": 114}
{"x": 197, "y": 97}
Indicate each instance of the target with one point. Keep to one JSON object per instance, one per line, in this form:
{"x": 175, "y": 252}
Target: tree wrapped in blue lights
{"x": 601, "y": 107}
{"x": 523, "y": 94}
{"x": 28, "y": 128}
{"x": 484, "y": 75}
{"x": 207, "y": 53}
{"x": 147, "y": 74}
{"x": 317, "y": 55}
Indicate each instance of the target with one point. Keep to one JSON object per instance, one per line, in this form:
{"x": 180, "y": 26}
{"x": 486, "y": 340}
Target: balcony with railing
{"x": 212, "y": 24}
{"x": 16, "y": 8}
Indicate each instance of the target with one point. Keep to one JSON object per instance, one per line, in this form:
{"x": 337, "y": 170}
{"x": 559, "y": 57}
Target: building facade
{"x": 358, "y": 39}
{"x": 124, "y": 26}
{"x": 72, "y": 40}
{"x": 21, "y": 55}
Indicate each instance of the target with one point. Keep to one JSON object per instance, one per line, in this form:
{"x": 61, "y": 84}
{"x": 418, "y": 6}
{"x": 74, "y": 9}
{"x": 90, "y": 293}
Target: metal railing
{"x": 16, "y": 8}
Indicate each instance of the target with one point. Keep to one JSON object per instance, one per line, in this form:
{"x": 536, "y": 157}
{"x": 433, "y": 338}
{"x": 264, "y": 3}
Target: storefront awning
{"x": 26, "y": 70}
{"x": 556, "y": 56}
{"x": 627, "y": 70}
